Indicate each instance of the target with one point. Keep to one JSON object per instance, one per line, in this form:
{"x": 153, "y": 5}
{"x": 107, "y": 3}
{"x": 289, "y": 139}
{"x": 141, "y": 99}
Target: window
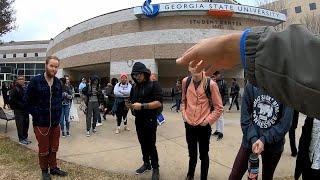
{"x": 298, "y": 9}
{"x": 14, "y": 55}
{"x": 36, "y": 54}
{"x": 20, "y": 65}
{"x": 312, "y": 6}
{"x": 29, "y": 66}
{"x": 284, "y": 11}
{"x": 24, "y": 54}
{"x": 4, "y": 56}
{"x": 40, "y": 66}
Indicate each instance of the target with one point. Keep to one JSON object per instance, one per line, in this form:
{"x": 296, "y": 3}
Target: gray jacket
{"x": 285, "y": 64}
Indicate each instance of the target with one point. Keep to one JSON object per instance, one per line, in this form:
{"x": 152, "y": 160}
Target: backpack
{"x": 207, "y": 91}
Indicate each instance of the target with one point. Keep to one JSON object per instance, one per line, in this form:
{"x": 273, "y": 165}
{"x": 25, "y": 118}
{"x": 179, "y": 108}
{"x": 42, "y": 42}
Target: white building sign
{"x": 206, "y": 6}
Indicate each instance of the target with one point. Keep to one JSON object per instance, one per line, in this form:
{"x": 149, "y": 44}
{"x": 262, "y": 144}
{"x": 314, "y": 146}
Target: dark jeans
{"x": 177, "y": 105}
{"x": 48, "y": 143}
{"x": 311, "y": 174}
{"x": 147, "y": 131}
{"x": 22, "y": 123}
{"x": 92, "y": 113}
{"x": 234, "y": 100}
{"x": 198, "y": 135}
{"x": 121, "y": 113}
{"x": 65, "y": 118}
{"x": 269, "y": 163}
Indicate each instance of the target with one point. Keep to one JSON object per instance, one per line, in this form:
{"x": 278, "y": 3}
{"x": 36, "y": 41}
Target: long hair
{"x": 204, "y": 81}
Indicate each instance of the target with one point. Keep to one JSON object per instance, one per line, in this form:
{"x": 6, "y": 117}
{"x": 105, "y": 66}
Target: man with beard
{"x": 44, "y": 97}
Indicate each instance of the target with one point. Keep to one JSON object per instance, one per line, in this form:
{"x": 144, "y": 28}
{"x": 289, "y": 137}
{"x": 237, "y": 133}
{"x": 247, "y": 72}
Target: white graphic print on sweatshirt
{"x": 314, "y": 148}
{"x": 265, "y": 111}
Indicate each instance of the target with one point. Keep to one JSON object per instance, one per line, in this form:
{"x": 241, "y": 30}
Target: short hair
{"x": 48, "y": 58}
{"x": 216, "y": 73}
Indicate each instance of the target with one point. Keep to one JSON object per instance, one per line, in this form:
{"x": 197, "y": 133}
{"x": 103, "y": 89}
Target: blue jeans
{"x": 65, "y": 118}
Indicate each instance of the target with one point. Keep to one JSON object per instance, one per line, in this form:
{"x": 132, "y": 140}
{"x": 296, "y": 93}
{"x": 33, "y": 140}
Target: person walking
{"x": 146, "y": 99}
{"x": 199, "y": 111}
{"x": 264, "y": 123}
{"x": 44, "y": 97}
{"x": 94, "y": 98}
{"x": 122, "y": 93}
{"x": 18, "y": 105}
{"x": 234, "y": 93}
{"x": 66, "y": 103}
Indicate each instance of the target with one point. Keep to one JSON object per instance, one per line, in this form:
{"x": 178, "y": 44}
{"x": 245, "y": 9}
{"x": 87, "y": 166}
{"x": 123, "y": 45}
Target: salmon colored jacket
{"x": 195, "y": 104}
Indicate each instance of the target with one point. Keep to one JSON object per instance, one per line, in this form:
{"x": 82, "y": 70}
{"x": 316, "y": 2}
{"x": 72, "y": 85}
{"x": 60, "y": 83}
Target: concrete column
{"x": 118, "y": 67}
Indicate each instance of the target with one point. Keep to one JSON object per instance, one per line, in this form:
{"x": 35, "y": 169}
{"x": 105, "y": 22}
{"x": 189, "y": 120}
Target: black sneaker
{"x": 23, "y": 142}
{"x": 145, "y": 167}
{"x": 68, "y": 134}
{"x": 58, "y": 172}
{"x": 220, "y": 136}
{"x": 28, "y": 141}
{"x": 190, "y": 177}
{"x": 46, "y": 175}
{"x": 63, "y": 134}
{"x": 155, "y": 174}
{"x": 215, "y": 133}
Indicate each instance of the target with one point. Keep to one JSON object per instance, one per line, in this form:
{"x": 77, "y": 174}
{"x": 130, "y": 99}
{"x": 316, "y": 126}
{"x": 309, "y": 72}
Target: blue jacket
{"x": 44, "y": 112}
{"x": 264, "y": 118}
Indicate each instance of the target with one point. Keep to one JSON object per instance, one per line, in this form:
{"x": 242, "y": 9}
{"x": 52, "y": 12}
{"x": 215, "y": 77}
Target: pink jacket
{"x": 195, "y": 104}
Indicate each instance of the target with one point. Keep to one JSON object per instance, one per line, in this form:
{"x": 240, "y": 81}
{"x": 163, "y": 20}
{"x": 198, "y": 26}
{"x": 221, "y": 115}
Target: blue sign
{"x": 150, "y": 10}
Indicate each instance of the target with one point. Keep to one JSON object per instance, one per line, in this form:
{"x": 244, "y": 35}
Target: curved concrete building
{"x": 109, "y": 44}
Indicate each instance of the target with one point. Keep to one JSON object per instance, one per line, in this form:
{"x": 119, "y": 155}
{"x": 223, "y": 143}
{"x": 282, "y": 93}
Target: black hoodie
{"x": 145, "y": 92}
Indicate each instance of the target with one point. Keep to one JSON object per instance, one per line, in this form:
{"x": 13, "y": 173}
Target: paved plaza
{"x": 121, "y": 153}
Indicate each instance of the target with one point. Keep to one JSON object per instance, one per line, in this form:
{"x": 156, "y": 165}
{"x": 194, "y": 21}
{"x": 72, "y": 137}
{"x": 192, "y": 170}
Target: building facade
{"x": 22, "y": 58}
{"x": 109, "y": 44}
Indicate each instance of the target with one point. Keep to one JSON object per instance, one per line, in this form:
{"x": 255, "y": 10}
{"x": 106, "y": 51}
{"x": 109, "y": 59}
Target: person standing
{"x": 94, "y": 98}
{"x": 292, "y": 133}
{"x": 199, "y": 112}
{"x": 177, "y": 94}
{"x": 82, "y": 85}
{"x": 234, "y": 93}
{"x": 43, "y": 97}
{"x": 19, "y": 107}
{"x": 223, "y": 89}
{"x": 4, "y": 90}
{"x": 146, "y": 99}
{"x": 66, "y": 103}
{"x": 264, "y": 123}
{"x": 122, "y": 93}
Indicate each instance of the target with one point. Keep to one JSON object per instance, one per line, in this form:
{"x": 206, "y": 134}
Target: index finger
{"x": 187, "y": 57}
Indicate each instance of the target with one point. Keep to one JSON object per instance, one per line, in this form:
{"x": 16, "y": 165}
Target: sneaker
{"x": 155, "y": 174}
{"x": 58, "y": 172}
{"x": 88, "y": 134}
{"x": 190, "y": 177}
{"x": 63, "y": 134}
{"x": 46, "y": 175}
{"x": 28, "y": 141}
{"x": 94, "y": 130}
{"x": 99, "y": 124}
{"x": 220, "y": 136}
{"x": 145, "y": 167}
{"x": 126, "y": 128}
{"x": 215, "y": 133}
{"x": 68, "y": 134}
{"x": 23, "y": 142}
{"x": 117, "y": 130}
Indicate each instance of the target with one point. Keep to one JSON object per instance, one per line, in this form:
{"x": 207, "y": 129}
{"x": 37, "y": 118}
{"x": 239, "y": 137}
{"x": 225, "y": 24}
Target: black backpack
{"x": 207, "y": 91}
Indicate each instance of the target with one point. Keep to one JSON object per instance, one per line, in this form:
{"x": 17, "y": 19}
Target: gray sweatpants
{"x": 93, "y": 110}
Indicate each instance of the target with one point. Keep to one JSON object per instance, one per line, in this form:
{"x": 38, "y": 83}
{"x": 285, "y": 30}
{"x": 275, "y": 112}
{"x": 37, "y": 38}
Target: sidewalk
{"x": 121, "y": 153}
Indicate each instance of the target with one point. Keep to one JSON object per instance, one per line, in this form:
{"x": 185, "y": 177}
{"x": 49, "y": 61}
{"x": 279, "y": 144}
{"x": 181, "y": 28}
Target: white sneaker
{"x": 118, "y": 130}
{"x": 99, "y": 124}
{"x": 88, "y": 134}
{"x": 126, "y": 128}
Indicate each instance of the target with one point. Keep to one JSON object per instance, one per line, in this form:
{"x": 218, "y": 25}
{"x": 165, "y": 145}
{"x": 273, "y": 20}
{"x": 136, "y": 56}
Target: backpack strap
{"x": 187, "y": 84}
{"x": 208, "y": 94}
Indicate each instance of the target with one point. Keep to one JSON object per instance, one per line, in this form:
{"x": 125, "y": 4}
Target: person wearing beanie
{"x": 122, "y": 93}
{"x": 146, "y": 99}
{"x": 94, "y": 98}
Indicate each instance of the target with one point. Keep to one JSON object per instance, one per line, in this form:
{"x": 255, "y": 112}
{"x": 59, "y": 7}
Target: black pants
{"x": 92, "y": 110}
{"x": 198, "y": 135}
{"x": 234, "y": 100}
{"x": 146, "y": 131}
{"x": 269, "y": 163}
{"x": 292, "y": 132}
{"x": 22, "y": 123}
{"x": 121, "y": 113}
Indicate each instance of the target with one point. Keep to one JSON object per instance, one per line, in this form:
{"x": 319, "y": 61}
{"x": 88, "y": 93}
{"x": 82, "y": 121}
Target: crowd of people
{"x": 267, "y": 113}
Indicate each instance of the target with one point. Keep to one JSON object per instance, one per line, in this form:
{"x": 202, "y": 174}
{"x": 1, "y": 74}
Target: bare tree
{"x": 7, "y": 19}
{"x": 312, "y": 23}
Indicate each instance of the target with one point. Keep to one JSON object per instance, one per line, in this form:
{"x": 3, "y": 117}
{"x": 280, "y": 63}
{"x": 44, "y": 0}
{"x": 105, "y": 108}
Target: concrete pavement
{"x": 121, "y": 153}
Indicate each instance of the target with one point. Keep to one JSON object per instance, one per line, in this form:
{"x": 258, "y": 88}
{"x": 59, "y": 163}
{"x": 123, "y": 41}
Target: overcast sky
{"x": 44, "y": 19}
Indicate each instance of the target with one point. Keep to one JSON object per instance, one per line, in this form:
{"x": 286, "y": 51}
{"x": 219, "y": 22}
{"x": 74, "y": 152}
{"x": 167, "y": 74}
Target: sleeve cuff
{"x": 253, "y": 140}
{"x": 263, "y": 139}
{"x": 243, "y": 47}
